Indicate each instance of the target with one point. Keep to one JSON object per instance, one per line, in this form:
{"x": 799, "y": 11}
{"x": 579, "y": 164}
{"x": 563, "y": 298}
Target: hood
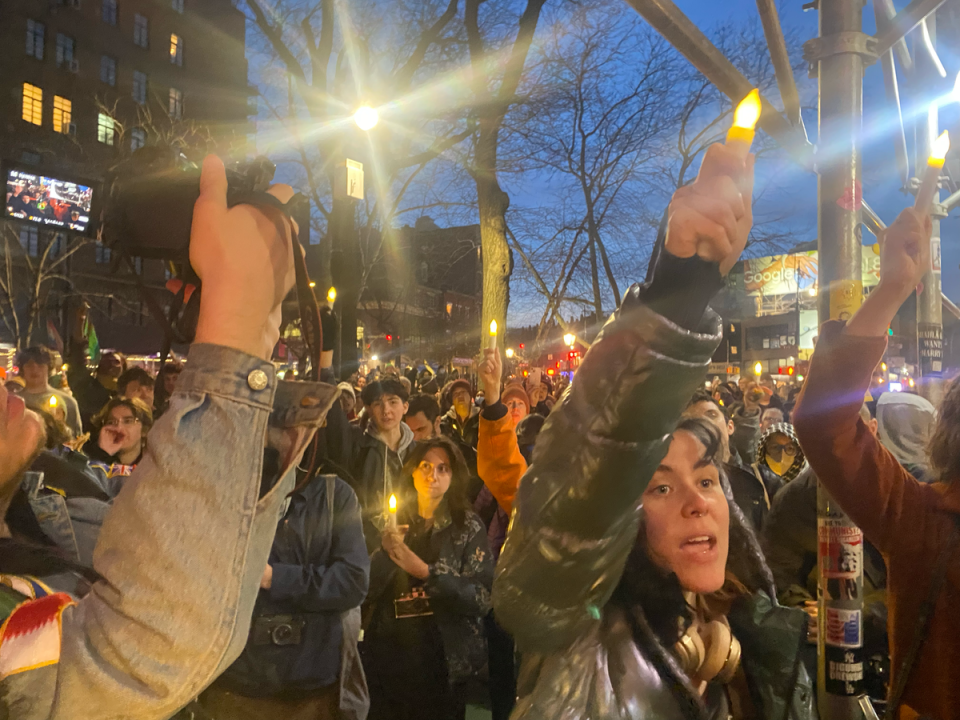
{"x": 406, "y": 436}
{"x": 799, "y": 462}
{"x": 905, "y": 424}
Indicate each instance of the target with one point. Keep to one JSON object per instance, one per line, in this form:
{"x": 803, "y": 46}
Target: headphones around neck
{"x": 708, "y": 651}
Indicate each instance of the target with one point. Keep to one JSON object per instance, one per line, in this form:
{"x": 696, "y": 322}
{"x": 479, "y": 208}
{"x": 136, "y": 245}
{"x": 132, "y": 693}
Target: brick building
{"x": 85, "y": 83}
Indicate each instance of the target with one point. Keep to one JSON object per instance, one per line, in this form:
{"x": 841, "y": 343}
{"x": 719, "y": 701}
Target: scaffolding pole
{"x": 840, "y": 52}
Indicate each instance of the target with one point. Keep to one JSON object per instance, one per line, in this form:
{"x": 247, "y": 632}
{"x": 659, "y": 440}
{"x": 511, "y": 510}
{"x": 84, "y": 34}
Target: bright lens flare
{"x": 748, "y": 111}
{"x": 509, "y": 352}
{"x": 366, "y": 117}
{"x": 940, "y": 147}
{"x": 569, "y": 339}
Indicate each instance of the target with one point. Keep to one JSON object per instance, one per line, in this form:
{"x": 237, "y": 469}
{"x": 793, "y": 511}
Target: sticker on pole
{"x": 843, "y": 628}
{"x": 844, "y": 671}
{"x": 841, "y": 550}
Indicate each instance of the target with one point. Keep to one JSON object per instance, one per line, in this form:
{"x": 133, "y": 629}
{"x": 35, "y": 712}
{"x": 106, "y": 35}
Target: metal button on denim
{"x": 257, "y": 380}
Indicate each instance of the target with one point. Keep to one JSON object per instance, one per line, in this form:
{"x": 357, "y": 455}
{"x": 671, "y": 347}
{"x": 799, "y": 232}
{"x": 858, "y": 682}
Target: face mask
{"x": 779, "y": 466}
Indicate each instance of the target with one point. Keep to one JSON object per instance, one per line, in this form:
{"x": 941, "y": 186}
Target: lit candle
{"x": 492, "y": 342}
{"x": 53, "y": 401}
{"x": 331, "y": 295}
{"x": 745, "y": 117}
{"x": 392, "y": 515}
{"x": 931, "y": 178}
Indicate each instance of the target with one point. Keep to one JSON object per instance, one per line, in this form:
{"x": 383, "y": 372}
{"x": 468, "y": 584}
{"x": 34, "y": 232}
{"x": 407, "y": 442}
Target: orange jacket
{"x": 499, "y": 461}
{"x": 909, "y": 522}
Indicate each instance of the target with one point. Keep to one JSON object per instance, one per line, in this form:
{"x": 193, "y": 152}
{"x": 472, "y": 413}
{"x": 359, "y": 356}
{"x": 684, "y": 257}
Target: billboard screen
{"x": 48, "y": 201}
{"x": 788, "y": 274}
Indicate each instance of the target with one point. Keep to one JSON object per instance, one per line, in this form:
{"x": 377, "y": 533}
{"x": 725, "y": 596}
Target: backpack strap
{"x": 923, "y": 622}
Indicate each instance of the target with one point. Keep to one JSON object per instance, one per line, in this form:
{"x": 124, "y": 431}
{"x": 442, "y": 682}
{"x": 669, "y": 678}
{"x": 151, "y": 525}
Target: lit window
{"x": 64, "y": 50}
{"x": 30, "y": 239}
{"x": 35, "y": 31}
{"x": 176, "y": 104}
{"x": 138, "y": 138}
{"x": 61, "y": 114}
{"x": 176, "y": 49}
{"x": 139, "y": 86}
{"x": 177, "y": 5}
{"x": 32, "y": 104}
{"x": 103, "y": 254}
{"x": 108, "y": 70}
{"x": 108, "y": 12}
{"x": 140, "y": 31}
{"x": 106, "y": 129}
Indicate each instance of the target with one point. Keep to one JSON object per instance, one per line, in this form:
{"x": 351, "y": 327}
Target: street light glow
{"x": 366, "y": 118}
{"x": 375, "y": 358}
{"x": 569, "y": 339}
{"x": 509, "y": 353}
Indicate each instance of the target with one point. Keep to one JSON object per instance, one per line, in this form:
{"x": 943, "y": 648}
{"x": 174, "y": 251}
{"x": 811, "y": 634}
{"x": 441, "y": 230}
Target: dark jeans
{"x": 503, "y": 677}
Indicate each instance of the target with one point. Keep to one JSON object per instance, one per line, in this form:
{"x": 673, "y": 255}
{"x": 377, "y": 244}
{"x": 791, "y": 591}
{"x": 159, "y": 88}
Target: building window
{"x": 32, "y": 104}
{"x": 140, "y": 31}
{"x": 64, "y": 50}
{"x": 167, "y": 272}
{"x": 35, "y": 31}
{"x": 103, "y": 254}
{"x": 30, "y": 239}
{"x": 59, "y": 244}
{"x": 177, "y": 5}
{"x": 138, "y": 138}
{"x": 176, "y": 49}
{"x": 139, "y": 86}
{"x": 61, "y": 114}
{"x": 108, "y": 70}
{"x": 106, "y": 129}
{"x": 108, "y": 11}
{"x": 176, "y": 104}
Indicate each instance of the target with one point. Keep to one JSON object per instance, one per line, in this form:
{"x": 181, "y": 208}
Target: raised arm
{"x": 500, "y": 463}
{"x": 577, "y": 512}
{"x": 861, "y": 475}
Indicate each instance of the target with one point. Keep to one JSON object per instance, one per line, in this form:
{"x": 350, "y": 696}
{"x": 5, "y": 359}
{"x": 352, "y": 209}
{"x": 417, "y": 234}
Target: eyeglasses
{"x": 777, "y": 451}
{"x": 116, "y": 422}
{"x": 427, "y": 467}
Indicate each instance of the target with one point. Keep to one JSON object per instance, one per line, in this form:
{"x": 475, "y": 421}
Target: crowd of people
{"x": 217, "y": 543}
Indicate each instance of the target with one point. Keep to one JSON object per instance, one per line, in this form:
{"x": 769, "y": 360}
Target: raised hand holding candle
{"x": 492, "y": 341}
{"x": 931, "y": 178}
{"x": 745, "y": 117}
{"x": 392, "y": 515}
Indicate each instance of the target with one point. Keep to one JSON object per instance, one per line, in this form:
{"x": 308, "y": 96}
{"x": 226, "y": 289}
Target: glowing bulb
{"x": 758, "y": 368}
{"x": 375, "y": 358}
{"x": 940, "y": 147}
{"x": 748, "y": 111}
{"x": 331, "y": 294}
{"x": 883, "y": 366}
{"x": 509, "y": 352}
{"x": 393, "y": 503}
{"x": 312, "y": 284}
{"x": 813, "y": 292}
{"x": 366, "y": 117}
{"x": 569, "y": 339}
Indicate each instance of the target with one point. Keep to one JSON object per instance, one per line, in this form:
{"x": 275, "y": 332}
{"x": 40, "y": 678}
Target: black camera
{"x": 277, "y": 630}
{"x": 148, "y": 208}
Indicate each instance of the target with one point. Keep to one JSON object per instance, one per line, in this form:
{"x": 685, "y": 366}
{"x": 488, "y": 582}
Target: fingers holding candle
{"x": 392, "y": 513}
{"x": 492, "y": 340}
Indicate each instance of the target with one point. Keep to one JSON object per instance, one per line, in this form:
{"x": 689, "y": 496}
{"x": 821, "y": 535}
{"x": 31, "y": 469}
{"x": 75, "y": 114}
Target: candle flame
{"x": 493, "y": 328}
{"x": 940, "y": 146}
{"x": 53, "y": 401}
{"x": 748, "y": 111}
{"x": 393, "y": 503}
{"x": 331, "y": 294}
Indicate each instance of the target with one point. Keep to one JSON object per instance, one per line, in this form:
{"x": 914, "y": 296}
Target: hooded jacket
{"x": 904, "y": 425}
{"x": 576, "y": 521}
{"x": 771, "y": 481}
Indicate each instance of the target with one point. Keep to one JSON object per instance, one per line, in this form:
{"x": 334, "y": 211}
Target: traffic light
{"x": 790, "y": 370}
{"x": 522, "y": 346}
{"x": 389, "y": 338}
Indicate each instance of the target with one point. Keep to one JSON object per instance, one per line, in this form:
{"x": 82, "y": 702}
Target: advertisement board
{"x": 788, "y": 274}
{"x": 48, "y": 200}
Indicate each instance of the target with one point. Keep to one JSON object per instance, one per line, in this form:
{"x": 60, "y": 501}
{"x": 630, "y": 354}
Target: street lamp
{"x": 312, "y": 284}
{"x": 366, "y": 117}
{"x": 569, "y": 339}
{"x": 509, "y": 353}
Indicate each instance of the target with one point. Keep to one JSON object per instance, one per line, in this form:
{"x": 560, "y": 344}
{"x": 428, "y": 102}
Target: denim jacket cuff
{"x": 223, "y": 371}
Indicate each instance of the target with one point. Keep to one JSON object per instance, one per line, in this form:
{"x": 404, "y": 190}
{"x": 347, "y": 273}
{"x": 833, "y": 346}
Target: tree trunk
{"x": 595, "y": 278}
{"x": 492, "y": 203}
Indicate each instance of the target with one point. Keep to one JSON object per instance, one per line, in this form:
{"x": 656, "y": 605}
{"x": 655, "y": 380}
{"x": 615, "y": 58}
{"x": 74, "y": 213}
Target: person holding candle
{"x": 429, "y": 591}
{"x": 630, "y": 580}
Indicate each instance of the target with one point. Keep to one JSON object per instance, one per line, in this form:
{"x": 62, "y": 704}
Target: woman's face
{"x": 687, "y": 517}
{"x": 432, "y": 476}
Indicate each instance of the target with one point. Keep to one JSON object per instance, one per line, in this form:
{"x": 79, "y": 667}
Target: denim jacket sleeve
{"x": 341, "y": 583}
{"x": 183, "y": 549}
{"x": 577, "y": 512}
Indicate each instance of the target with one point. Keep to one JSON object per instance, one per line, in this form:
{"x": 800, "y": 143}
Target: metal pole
{"x": 905, "y": 21}
{"x": 893, "y": 95}
{"x": 781, "y": 60}
{"x": 929, "y": 306}
{"x": 840, "y": 542}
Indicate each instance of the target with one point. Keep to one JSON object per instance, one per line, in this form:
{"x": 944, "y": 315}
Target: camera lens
{"x": 282, "y": 635}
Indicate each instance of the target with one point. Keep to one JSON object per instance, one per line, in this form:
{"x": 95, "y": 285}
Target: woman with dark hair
{"x": 429, "y": 591}
{"x": 630, "y": 580}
